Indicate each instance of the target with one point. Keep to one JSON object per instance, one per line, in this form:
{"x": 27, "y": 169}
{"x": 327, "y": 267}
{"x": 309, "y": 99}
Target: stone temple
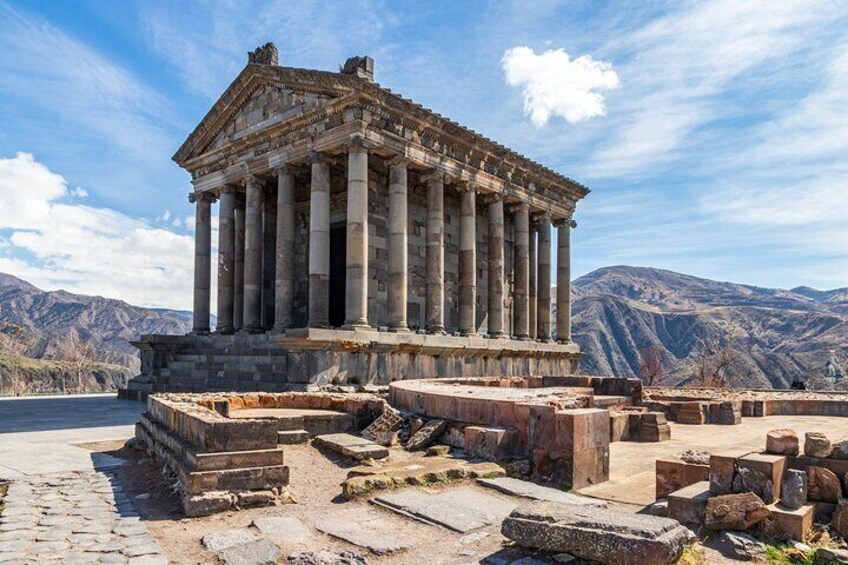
{"x": 362, "y": 238}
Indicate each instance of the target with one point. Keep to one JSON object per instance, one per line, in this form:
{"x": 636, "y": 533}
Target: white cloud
{"x": 554, "y": 85}
{"x": 79, "y": 192}
{"x": 55, "y": 243}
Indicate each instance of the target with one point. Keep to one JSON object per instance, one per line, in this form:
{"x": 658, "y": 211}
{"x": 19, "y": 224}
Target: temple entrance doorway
{"x": 338, "y": 273}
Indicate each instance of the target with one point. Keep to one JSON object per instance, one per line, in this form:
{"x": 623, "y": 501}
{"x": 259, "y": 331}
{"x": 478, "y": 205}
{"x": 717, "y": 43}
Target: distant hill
{"x": 49, "y": 325}
{"x": 621, "y": 311}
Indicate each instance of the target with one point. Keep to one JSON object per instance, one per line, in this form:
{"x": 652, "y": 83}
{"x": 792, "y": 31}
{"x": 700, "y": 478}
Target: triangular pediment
{"x": 260, "y": 97}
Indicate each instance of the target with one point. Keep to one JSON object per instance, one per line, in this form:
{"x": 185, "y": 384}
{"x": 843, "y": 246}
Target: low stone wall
{"x": 221, "y": 462}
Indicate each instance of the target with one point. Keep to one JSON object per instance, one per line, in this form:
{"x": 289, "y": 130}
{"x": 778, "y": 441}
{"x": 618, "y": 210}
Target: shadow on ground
{"x": 46, "y": 414}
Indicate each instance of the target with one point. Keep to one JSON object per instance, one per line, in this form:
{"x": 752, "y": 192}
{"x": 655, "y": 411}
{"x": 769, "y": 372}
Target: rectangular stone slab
{"x": 597, "y": 534}
{"x": 461, "y": 510}
{"x": 363, "y": 529}
{"x": 526, "y": 489}
{"x": 352, "y": 446}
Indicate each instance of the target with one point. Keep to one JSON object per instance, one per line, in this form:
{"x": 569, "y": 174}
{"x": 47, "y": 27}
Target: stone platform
{"x": 301, "y": 359}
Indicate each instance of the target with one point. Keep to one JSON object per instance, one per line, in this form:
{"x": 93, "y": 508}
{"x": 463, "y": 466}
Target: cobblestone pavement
{"x": 71, "y": 518}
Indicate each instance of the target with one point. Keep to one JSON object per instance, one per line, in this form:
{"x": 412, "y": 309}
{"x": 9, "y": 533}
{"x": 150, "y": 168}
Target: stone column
{"x": 284, "y": 292}
{"x": 269, "y": 257}
{"x": 202, "y": 260}
{"x": 238, "y": 282}
{"x": 398, "y": 248}
{"x": 356, "y": 262}
{"x": 532, "y": 322}
{"x": 563, "y": 319}
{"x": 496, "y": 266}
{"x": 226, "y": 259}
{"x": 521, "y": 314}
{"x": 468, "y": 260}
{"x": 253, "y": 256}
{"x": 435, "y": 287}
{"x": 319, "y": 244}
{"x": 543, "y": 301}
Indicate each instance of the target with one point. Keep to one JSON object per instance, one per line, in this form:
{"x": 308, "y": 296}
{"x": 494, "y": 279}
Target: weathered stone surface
{"x": 823, "y": 485}
{"x": 789, "y": 523}
{"x": 840, "y": 450}
{"x": 735, "y": 511}
{"x": 461, "y": 510}
{"x": 692, "y": 413}
{"x": 695, "y": 457}
{"x": 729, "y": 413}
{"x": 658, "y": 508}
{"x": 839, "y": 520}
{"x": 794, "y": 491}
{"x": 723, "y": 471}
{"x": 782, "y": 441}
{"x": 738, "y": 546}
{"x": 673, "y": 475}
{"x": 327, "y": 558}
{"x": 437, "y": 450}
{"x": 222, "y": 539}
{"x": 831, "y": 556}
{"x": 425, "y": 436}
{"x": 816, "y": 444}
{"x": 597, "y": 534}
{"x": 760, "y": 473}
{"x": 352, "y": 446}
{"x": 363, "y": 529}
{"x": 688, "y": 504}
{"x": 283, "y": 529}
{"x": 382, "y": 430}
{"x": 260, "y": 552}
{"x": 526, "y": 489}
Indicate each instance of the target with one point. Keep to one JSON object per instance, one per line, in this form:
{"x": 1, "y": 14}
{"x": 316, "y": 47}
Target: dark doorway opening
{"x": 338, "y": 273}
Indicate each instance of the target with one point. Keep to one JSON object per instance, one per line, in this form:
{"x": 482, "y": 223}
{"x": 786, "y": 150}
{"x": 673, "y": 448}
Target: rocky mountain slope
{"x": 60, "y": 327}
{"x": 620, "y": 312}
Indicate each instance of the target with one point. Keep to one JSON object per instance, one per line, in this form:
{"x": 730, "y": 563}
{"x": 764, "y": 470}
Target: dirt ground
{"x": 316, "y": 477}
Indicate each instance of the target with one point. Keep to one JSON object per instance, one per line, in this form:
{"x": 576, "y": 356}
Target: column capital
{"x": 318, "y": 157}
{"x": 358, "y": 143}
{"x": 433, "y": 175}
{"x": 399, "y": 161}
{"x": 250, "y": 180}
{"x": 205, "y": 196}
{"x": 226, "y": 189}
{"x": 543, "y": 216}
{"x": 285, "y": 169}
{"x": 519, "y": 207}
{"x": 493, "y": 197}
{"x": 564, "y": 223}
{"x": 464, "y": 186}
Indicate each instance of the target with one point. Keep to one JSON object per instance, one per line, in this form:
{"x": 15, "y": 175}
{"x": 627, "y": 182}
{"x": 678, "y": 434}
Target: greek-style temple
{"x": 362, "y": 239}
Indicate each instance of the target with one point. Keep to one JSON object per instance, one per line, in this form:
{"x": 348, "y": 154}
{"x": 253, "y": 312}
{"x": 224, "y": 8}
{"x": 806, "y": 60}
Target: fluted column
{"x": 496, "y": 267}
{"x": 543, "y": 301}
{"x": 202, "y": 260}
{"x": 533, "y": 276}
{"x": 521, "y": 315}
{"x": 319, "y": 244}
{"x": 563, "y": 319}
{"x": 226, "y": 258}
{"x": 435, "y": 286}
{"x": 356, "y": 263}
{"x": 253, "y": 255}
{"x": 468, "y": 260}
{"x": 269, "y": 256}
{"x": 398, "y": 238}
{"x": 238, "y": 270}
{"x": 284, "y": 292}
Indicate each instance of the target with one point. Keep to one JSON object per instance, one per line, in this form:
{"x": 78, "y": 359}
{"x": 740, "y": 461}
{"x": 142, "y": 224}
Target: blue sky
{"x": 714, "y": 134}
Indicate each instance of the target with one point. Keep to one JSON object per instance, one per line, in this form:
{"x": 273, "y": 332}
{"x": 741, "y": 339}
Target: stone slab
{"x": 597, "y": 534}
{"x": 674, "y": 474}
{"x": 461, "y": 510}
{"x": 260, "y": 552}
{"x": 222, "y": 539}
{"x": 526, "y": 489}
{"x": 352, "y": 446}
{"x": 793, "y": 524}
{"x": 688, "y": 504}
{"x": 283, "y": 529}
{"x": 363, "y": 529}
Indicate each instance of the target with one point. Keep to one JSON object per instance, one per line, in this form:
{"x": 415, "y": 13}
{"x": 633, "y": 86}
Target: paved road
{"x": 33, "y": 428}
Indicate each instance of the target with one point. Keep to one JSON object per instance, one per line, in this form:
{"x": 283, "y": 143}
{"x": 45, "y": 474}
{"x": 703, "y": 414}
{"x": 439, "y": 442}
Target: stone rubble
{"x": 735, "y": 511}
{"x": 823, "y": 485}
{"x": 782, "y": 441}
{"x": 794, "y": 491}
{"x": 816, "y": 444}
{"x": 427, "y": 435}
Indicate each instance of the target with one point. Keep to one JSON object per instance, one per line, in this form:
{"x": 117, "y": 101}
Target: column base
{"x": 251, "y": 331}
{"x": 564, "y": 341}
{"x": 498, "y": 336}
{"x": 357, "y": 327}
{"x": 225, "y": 331}
{"x": 469, "y": 334}
{"x": 523, "y": 338}
{"x": 436, "y": 330}
{"x": 404, "y": 329}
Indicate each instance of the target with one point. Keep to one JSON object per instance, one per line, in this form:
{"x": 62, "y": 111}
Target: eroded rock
{"x": 737, "y": 545}
{"x": 794, "y": 489}
{"x": 816, "y": 444}
{"x": 426, "y": 435}
{"x": 782, "y": 441}
{"x": 823, "y": 485}
{"x": 598, "y": 534}
{"x": 839, "y": 520}
{"x": 735, "y": 511}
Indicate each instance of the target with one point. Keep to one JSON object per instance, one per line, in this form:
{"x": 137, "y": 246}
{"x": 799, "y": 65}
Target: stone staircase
{"x": 296, "y": 425}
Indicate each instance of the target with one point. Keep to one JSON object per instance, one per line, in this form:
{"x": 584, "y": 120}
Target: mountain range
{"x": 619, "y": 314}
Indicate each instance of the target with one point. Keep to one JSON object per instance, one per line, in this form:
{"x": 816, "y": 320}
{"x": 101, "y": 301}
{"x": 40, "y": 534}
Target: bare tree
{"x": 652, "y": 365}
{"x": 717, "y": 364}
{"x": 15, "y": 342}
{"x": 82, "y": 357}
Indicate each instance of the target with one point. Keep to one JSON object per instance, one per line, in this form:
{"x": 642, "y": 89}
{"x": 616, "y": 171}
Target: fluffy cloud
{"x": 54, "y": 242}
{"x": 555, "y": 85}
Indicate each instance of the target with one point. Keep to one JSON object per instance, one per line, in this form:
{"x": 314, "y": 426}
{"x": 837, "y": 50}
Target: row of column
{"x": 240, "y": 266}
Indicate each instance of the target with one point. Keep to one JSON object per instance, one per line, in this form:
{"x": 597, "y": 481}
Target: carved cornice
{"x": 205, "y": 196}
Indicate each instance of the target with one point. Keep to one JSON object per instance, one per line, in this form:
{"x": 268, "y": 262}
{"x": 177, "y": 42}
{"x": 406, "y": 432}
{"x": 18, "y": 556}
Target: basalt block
{"x": 723, "y": 471}
{"x": 793, "y": 494}
{"x": 734, "y": 511}
{"x": 823, "y": 485}
{"x": 816, "y": 444}
{"x": 782, "y": 441}
{"x": 674, "y": 474}
{"x": 688, "y": 504}
{"x": 792, "y": 523}
{"x": 597, "y": 534}
{"x": 692, "y": 413}
{"x": 762, "y": 474}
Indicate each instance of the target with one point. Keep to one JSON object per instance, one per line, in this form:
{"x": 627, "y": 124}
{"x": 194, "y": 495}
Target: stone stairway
{"x": 299, "y": 425}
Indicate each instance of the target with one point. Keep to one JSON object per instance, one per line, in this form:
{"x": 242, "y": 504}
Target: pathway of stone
{"x": 73, "y": 518}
